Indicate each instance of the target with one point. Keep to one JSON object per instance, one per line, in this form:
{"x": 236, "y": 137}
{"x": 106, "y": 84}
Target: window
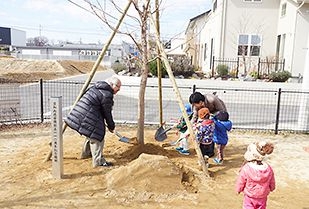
{"x": 283, "y": 9}
{"x": 249, "y": 45}
{"x": 205, "y": 51}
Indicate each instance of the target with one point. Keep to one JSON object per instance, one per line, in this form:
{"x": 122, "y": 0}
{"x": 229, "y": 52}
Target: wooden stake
{"x": 95, "y": 66}
{"x": 179, "y": 100}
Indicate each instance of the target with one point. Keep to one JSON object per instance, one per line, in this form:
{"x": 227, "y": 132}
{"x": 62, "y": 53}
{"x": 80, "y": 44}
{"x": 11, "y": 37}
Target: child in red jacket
{"x": 256, "y": 178}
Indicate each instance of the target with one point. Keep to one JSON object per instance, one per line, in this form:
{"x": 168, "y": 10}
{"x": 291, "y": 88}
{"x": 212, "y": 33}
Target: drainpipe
{"x": 223, "y": 26}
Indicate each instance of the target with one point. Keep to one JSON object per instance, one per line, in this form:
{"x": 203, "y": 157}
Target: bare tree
{"x": 143, "y": 9}
{"x": 37, "y": 41}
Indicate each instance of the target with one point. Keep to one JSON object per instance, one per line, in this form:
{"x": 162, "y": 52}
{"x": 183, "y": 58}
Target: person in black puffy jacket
{"x": 89, "y": 116}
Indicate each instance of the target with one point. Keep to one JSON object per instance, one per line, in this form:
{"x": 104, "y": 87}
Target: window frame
{"x": 283, "y": 9}
{"x": 250, "y": 49}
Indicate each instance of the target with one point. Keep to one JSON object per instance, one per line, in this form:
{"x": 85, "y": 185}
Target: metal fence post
{"x": 278, "y": 111}
{"x": 258, "y": 71}
{"x": 237, "y": 69}
{"x": 41, "y": 100}
{"x": 194, "y": 88}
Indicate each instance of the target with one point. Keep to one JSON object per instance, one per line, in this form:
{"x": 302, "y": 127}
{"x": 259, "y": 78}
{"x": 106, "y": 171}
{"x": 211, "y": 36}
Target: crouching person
{"x": 89, "y": 116}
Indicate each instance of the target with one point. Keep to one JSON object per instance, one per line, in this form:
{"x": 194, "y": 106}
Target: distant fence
{"x": 257, "y": 109}
{"x": 262, "y": 66}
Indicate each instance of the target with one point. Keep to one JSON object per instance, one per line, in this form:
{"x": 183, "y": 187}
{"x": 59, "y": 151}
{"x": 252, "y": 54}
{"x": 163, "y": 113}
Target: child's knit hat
{"x": 258, "y": 150}
{"x": 203, "y": 112}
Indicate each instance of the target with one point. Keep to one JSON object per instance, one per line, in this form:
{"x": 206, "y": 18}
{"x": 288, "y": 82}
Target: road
{"x": 248, "y": 108}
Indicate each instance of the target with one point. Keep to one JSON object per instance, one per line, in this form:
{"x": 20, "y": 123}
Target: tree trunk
{"x": 142, "y": 89}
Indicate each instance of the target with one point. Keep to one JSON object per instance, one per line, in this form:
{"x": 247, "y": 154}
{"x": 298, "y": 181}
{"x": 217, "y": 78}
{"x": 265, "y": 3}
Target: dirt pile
{"x": 17, "y": 70}
{"x": 142, "y": 172}
{"x": 151, "y": 177}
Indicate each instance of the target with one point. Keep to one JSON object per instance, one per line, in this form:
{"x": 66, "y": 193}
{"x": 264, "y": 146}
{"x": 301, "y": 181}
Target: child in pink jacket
{"x": 256, "y": 178}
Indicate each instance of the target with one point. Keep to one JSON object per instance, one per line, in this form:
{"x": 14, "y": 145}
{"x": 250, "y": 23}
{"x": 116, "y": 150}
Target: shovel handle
{"x": 117, "y": 134}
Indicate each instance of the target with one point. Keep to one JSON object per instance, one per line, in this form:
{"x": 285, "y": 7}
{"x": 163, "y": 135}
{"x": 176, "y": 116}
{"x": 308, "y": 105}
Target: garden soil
{"x": 150, "y": 176}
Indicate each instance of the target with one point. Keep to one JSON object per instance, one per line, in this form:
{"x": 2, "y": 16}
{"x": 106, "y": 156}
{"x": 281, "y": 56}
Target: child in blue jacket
{"x": 222, "y": 126}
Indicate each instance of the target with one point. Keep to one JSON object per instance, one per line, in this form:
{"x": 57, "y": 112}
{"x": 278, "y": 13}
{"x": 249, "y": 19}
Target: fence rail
{"x": 262, "y": 66}
{"x": 276, "y": 110}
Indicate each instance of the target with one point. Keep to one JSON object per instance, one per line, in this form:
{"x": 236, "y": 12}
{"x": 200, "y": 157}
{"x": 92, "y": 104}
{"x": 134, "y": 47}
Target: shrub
{"x": 153, "y": 68}
{"x": 222, "y": 70}
{"x": 233, "y": 73}
{"x": 181, "y": 66}
{"x": 282, "y": 76}
{"x": 118, "y": 67}
{"x": 254, "y": 74}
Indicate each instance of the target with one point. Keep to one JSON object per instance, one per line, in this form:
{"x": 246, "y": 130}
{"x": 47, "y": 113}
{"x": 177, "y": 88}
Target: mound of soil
{"x": 17, "y": 70}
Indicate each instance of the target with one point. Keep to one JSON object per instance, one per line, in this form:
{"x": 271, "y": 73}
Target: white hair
{"x": 113, "y": 81}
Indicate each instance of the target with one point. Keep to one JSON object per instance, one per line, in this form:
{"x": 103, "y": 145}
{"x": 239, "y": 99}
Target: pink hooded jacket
{"x": 256, "y": 181}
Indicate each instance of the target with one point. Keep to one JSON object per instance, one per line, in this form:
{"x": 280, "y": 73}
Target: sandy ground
{"x": 152, "y": 176}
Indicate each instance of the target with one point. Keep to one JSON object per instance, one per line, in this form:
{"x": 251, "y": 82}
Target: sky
{"x": 65, "y": 21}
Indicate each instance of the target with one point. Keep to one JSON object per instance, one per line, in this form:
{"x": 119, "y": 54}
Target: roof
{"x": 194, "y": 19}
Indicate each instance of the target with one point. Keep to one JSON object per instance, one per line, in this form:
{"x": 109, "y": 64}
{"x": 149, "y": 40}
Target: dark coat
{"x": 92, "y": 111}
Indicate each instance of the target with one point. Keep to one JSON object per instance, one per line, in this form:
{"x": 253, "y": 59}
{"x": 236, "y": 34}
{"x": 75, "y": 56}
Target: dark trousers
{"x": 208, "y": 149}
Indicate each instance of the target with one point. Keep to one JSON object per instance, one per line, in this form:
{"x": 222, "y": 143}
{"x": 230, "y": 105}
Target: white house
{"x": 249, "y": 30}
{"x": 178, "y": 44}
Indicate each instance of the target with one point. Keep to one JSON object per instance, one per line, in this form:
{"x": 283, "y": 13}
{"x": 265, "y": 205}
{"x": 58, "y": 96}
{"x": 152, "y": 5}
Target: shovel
{"x": 160, "y": 134}
{"x": 124, "y": 139}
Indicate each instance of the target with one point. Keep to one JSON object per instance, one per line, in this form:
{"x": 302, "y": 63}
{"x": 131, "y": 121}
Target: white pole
{"x": 57, "y": 140}
{"x": 303, "y": 116}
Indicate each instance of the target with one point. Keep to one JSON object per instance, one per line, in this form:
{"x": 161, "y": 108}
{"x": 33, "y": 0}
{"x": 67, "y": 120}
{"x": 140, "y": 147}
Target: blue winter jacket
{"x": 221, "y": 129}
{"x": 92, "y": 111}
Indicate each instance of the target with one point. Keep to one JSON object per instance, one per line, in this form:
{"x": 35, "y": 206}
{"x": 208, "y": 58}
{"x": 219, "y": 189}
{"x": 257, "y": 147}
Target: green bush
{"x": 118, "y": 67}
{"x": 222, "y": 70}
{"x": 282, "y": 76}
{"x": 254, "y": 74}
{"x": 153, "y": 68}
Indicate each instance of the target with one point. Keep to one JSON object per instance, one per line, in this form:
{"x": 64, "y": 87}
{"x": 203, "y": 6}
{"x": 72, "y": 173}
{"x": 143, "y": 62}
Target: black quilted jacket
{"x": 92, "y": 111}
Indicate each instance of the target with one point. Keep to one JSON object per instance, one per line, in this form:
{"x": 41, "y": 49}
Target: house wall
{"x": 194, "y": 37}
{"x": 301, "y": 38}
{"x": 259, "y": 18}
{"x": 210, "y": 38}
{"x": 234, "y": 17}
{"x": 289, "y": 32}
{"x": 177, "y": 46}
{"x": 18, "y": 37}
{"x": 295, "y": 36}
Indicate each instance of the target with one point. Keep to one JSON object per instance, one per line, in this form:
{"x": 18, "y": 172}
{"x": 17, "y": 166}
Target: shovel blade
{"x": 124, "y": 139}
{"x": 160, "y": 134}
